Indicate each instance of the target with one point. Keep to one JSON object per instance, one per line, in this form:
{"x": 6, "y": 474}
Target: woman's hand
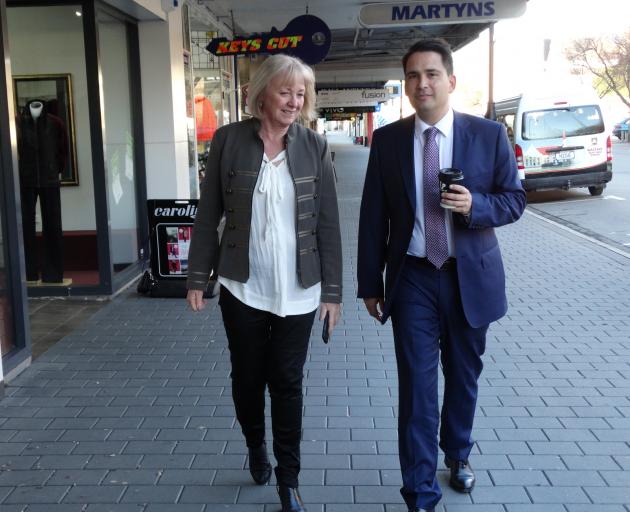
{"x": 334, "y": 313}
{"x": 195, "y": 300}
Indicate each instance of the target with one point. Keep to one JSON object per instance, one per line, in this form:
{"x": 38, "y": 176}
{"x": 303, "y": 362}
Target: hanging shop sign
{"x": 349, "y": 110}
{"x": 341, "y": 116}
{"x": 431, "y": 12}
{"x": 327, "y": 98}
{"x": 306, "y": 37}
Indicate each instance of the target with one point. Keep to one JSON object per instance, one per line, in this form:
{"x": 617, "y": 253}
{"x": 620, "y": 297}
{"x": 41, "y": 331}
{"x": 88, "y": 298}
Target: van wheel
{"x": 596, "y": 190}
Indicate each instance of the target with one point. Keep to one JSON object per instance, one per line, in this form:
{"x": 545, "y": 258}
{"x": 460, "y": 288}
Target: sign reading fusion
{"x": 306, "y": 37}
{"x": 350, "y": 97}
{"x": 445, "y": 12}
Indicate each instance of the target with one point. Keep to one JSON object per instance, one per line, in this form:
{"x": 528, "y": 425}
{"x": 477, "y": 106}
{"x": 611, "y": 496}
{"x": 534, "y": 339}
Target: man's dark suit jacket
{"x": 480, "y": 149}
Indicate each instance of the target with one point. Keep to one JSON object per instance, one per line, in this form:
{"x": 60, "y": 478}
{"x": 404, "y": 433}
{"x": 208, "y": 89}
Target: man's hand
{"x": 375, "y": 306}
{"x": 460, "y": 199}
{"x": 334, "y": 313}
{"x": 195, "y": 300}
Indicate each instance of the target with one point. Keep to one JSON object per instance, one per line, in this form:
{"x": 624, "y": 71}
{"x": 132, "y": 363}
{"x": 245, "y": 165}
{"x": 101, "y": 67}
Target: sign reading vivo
{"x": 445, "y": 12}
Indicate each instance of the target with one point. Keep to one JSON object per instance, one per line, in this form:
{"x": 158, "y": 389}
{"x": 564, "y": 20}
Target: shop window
{"x": 54, "y": 145}
{"x": 119, "y": 143}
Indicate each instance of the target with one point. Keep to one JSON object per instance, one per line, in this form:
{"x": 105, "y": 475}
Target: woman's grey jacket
{"x": 232, "y": 169}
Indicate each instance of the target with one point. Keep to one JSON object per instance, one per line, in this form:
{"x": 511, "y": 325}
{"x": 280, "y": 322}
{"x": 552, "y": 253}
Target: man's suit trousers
{"x": 429, "y": 328}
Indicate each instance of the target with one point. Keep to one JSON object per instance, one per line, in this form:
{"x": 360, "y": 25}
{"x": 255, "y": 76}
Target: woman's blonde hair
{"x": 289, "y": 69}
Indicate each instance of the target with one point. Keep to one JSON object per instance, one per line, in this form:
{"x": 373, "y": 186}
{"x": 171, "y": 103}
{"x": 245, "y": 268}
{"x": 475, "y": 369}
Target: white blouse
{"x": 273, "y": 284}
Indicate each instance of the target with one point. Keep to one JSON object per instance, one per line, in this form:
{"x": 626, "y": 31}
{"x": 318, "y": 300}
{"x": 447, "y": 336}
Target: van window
{"x": 507, "y": 120}
{"x": 562, "y": 122}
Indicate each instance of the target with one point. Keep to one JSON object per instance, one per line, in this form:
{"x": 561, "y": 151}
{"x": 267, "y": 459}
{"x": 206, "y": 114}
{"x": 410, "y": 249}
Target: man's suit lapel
{"x": 405, "y": 153}
{"x": 461, "y": 142}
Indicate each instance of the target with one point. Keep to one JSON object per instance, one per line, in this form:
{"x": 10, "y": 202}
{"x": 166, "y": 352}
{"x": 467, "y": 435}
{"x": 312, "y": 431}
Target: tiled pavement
{"x": 132, "y": 411}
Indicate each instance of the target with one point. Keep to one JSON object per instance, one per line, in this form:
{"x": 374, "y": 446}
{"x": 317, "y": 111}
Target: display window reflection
{"x": 119, "y": 142}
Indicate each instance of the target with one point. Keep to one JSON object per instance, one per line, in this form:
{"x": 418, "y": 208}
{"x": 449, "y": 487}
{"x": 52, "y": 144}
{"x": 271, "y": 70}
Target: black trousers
{"x": 52, "y": 260}
{"x": 268, "y": 350}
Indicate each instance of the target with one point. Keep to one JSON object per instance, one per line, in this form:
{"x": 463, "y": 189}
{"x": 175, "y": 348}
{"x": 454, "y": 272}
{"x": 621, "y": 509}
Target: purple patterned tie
{"x": 434, "y": 222}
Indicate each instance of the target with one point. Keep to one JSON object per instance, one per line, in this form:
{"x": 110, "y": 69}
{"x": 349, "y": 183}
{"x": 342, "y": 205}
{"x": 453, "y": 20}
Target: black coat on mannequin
{"x": 42, "y": 150}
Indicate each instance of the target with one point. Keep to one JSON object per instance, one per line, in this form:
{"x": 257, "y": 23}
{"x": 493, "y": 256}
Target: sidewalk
{"x": 132, "y": 412}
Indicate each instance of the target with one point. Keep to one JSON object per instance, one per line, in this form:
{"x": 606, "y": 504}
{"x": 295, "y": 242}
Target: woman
{"x": 278, "y": 258}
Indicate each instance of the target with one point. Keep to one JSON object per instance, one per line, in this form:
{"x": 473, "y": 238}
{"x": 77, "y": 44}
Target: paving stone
{"x": 77, "y": 477}
{"x": 558, "y": 494}
{"x": 152, "y": 493}
{"x": 24, "y": 478}
{"x": 36, "y": 494}
{"x": 206, "y": 494}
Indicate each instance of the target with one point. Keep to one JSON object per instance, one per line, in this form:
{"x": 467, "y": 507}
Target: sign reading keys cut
{"x": 306, "y": 37}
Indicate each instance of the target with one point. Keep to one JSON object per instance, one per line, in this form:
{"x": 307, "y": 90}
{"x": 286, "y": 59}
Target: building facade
{"x": 97, "y": 116}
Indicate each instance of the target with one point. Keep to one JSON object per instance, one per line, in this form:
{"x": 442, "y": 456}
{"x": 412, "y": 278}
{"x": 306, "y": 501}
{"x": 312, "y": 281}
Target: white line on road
{"x": 581, "y": 235}
{"x": 616, "y": 198}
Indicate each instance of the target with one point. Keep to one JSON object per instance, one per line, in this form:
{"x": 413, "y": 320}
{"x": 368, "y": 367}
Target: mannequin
{"x": 36, "y": 108}
{"x": 42, "y": 152}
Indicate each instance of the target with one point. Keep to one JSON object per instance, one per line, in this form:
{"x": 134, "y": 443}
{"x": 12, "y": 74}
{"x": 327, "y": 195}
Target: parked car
{"x": 620, "y": 127}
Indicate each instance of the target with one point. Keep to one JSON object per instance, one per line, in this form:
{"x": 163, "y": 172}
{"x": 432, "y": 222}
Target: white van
{"x": 559, "y": 141}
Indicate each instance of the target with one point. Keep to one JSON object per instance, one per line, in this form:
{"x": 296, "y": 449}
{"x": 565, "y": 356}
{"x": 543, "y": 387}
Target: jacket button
{"x": 313, "y": 214}
{"x": 315, "y": 196}
{"x": 228, "y": 190}
{"x": 314, "y": 249}
{"x": 316, "y": 179}
{"x": 232, "y": 173}
{"x": 231, "y": 226}
{"x": 314, "y": 232}
{"x": 231, "y": 245}
{"x": 231, "y": 210}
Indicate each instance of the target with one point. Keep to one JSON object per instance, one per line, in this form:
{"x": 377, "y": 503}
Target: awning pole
{"x": 490, "y": 114}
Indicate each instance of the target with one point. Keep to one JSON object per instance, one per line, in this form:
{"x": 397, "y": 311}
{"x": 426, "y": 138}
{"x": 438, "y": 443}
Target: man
{"x": 444, "y": 275}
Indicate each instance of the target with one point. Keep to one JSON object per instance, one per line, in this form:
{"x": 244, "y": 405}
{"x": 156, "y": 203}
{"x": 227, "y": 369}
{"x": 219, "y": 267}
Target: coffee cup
{"x": 449, "y": 176}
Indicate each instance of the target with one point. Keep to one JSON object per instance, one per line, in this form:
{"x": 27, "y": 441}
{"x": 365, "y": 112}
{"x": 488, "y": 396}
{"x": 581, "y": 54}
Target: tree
{"x": 607, "y": 59}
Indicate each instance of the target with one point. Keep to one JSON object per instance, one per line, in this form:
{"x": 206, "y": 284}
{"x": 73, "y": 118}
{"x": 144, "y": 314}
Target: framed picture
{"x": 55, "y": 92}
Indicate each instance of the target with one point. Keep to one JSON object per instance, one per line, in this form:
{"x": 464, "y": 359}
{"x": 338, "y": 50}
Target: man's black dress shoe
{"x": 290, "y": 499}
{"x": 462, "y": 476}
{"x": 259, "y": 465}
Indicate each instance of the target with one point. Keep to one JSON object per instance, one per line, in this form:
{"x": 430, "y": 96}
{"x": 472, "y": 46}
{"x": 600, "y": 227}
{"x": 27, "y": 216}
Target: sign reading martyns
{"x": 306, "y": 37}
{"x": 327, "y": 98}
{"x": 445, "y": 12}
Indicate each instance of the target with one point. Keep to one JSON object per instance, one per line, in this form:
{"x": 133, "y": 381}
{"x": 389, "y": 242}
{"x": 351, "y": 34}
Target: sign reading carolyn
{"x": 306, "y": 37}
{"x": 423, "y": 12}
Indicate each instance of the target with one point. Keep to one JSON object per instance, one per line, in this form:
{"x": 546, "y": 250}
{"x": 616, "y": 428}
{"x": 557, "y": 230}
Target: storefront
{"x": 74, "y": 70}
{"x": 213, "y": 83}
{"x": 77, "y": 163}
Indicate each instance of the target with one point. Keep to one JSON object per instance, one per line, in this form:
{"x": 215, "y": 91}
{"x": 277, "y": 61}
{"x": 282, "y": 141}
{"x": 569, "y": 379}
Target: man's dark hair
{"x": 433, "y": 44}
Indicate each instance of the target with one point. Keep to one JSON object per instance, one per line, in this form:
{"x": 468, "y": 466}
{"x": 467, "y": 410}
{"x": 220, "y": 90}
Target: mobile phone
{"x": 325, "y": 336}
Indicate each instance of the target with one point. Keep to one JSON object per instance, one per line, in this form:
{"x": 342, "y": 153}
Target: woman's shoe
{"x": 290, "y": 499}
{"x": 259, "y": 465}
